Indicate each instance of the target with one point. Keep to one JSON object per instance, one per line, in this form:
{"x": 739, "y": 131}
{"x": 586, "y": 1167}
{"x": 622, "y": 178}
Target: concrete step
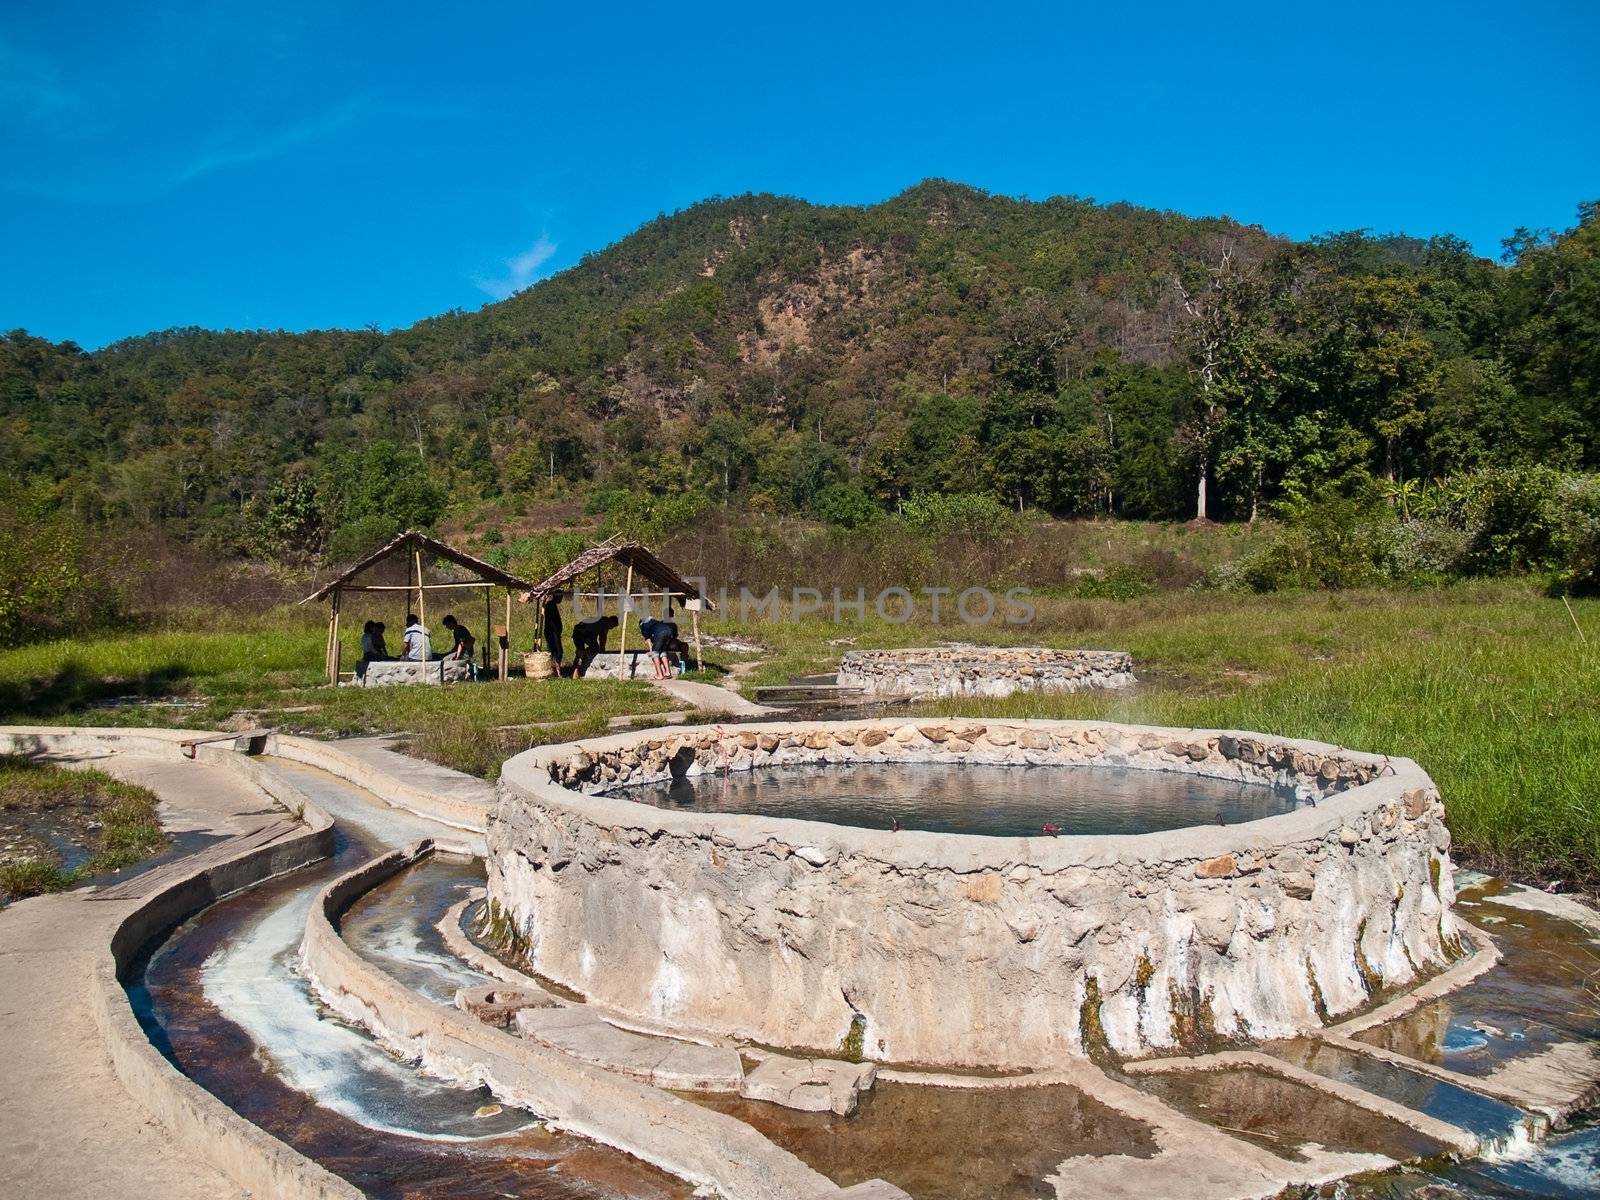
{"x": 664, "y": 1062}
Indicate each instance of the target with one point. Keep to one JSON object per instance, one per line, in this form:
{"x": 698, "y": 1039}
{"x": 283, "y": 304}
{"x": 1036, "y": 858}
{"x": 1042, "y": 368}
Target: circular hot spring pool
{"x": 984, "y": 801}
{"x": 981, "y": 894}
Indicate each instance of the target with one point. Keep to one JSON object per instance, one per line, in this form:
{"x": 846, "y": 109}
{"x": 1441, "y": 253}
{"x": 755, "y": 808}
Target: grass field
{"x": 1488, "y": 686}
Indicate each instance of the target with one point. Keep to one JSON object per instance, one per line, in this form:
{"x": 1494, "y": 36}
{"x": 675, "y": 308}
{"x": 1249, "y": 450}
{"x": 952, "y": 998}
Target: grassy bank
{"x": 113, "y": 822}
{"x": 1488, "y": 686}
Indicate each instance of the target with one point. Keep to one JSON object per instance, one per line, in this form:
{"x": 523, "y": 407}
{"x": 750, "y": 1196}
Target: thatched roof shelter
{"x": 412, "y": 550}
{"x": 642, "y": 570}
{"x": 419, "y": 543}
{"x": 638, "y": 561}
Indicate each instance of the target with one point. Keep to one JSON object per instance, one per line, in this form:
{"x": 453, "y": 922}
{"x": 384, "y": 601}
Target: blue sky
{"x": 331, "y": 164}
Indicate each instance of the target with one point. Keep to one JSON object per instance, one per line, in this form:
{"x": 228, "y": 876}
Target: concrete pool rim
{"x": 965, "y": 950}
{"x": 1389, "y": 781}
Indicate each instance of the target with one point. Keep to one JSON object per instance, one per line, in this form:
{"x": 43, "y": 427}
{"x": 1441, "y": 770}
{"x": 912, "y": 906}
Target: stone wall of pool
{"x": 970, "y": 951}
{"x": 929, "y": 672}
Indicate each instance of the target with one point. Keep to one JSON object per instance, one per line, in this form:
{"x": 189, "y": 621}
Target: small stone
{"x": 1329, "y": 770}
{"x": 871, "y": 737}
{"x": 819, "y": 740}
{"x": 1416, "y": 803}
{"x": 958, "y": 745}
{"x": 1001, "y": 737}
{"x": 1348, "y": 836}
{"x": 817, "y": 858}
{"x": 747, "y": 739}
{"x": 1198, "y": 753}
{"x": 1217, "y": 868}
{"x": 488, "y": 1110}
{"x": 1032, "y": 739}
{"x": 934, "y": 733}
{"x": 767, "y": 741}
{"x": 907, "y": 734}
{"x": 845, "y": 737}
{"x": 1299, "y": 884}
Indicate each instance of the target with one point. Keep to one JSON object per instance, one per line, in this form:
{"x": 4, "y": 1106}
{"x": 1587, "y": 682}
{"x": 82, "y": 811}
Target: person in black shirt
{"x": 552, "y": 628}
{"x": 463, "y": 644}
{"x": 588, "y": 639}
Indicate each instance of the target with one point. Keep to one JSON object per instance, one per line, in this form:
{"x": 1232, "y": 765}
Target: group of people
{"x": 669, "y": 655}
{"x": 416, "y": 644}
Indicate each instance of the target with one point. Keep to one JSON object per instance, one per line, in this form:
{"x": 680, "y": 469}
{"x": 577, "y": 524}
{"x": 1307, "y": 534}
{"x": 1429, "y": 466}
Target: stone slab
{"x": 809, "y": 1084}
{"x": 394, "y": 674}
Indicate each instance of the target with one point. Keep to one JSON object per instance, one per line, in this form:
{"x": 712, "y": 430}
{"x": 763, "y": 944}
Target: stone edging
{"x": 950, "y": 671}
{"x": 683, "y": 1138}
{"x": 196, "y": 1119}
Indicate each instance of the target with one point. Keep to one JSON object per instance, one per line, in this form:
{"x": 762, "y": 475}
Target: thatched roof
{"x": 431, "y": 547}
{"x": 629, "y": 554}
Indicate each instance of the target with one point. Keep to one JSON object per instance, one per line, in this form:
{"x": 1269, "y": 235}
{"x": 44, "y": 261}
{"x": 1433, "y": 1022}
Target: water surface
{"x": 997, "y": 801}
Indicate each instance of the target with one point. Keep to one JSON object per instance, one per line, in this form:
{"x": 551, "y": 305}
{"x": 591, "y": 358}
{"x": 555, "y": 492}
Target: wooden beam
{"x": 410, "y": 587}
{"x": 699, "y": 658}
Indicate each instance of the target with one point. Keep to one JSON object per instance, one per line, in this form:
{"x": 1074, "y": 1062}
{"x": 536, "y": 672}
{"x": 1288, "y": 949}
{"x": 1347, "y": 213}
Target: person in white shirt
{"x": 418, "y": 646}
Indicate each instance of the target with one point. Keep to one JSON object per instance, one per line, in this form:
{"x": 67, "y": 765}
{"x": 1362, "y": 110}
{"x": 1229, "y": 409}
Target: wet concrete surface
{"x": 368, "y": 1117}
{"x": 1542, "y": 993}
{"x": 1282, "y": 1115}
{"x": 1490, "y": 1119}
{"x": 940, "y": 1143}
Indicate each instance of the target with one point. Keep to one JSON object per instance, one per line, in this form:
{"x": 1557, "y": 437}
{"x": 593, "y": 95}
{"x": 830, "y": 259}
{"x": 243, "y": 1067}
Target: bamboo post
{"x": 327, "y": 646}
{"x": 333, "y": 642}
{"x": 488, "y": 622}
{"x": 694, "y": 619}
{"x": 505, "y": 643}
{"x": 422, "y": 606}
{"x": 622, "y": 624}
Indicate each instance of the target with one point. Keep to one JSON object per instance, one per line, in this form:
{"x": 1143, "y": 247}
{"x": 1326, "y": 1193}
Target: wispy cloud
{"x": 237, "y": 148}
{"x": 241, "y": 151}
{"x": 521, "y": 269}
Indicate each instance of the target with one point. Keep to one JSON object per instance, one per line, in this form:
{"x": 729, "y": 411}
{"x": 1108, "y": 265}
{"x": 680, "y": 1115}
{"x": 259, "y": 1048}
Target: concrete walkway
{"x": 68, "y": 1127}
{"x": 379, "y": 754}
{"x": 710, "y": 698}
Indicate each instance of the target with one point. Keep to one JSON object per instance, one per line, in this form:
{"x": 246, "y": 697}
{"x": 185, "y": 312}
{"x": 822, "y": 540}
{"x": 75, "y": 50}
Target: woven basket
{"x": 538, "y": 665}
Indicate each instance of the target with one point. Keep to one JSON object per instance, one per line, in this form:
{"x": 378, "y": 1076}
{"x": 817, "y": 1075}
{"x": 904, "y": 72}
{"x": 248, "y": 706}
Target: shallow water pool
{"x": 997, "y": 801}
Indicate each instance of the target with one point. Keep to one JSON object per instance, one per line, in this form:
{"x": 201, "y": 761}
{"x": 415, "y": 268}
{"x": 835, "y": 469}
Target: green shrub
{"x": 846, "y": 506}
{"x": 1120, "y": 582}
{"x": 942, "y": 514}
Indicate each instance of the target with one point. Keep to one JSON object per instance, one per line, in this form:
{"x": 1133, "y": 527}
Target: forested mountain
{"x": 835, "y": 361}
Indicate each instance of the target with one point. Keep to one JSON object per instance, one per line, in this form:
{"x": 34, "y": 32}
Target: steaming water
{"x": 991, "y": 800}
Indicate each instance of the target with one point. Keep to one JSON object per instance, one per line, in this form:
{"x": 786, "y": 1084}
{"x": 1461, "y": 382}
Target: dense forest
{"x": 768, "y": 355}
